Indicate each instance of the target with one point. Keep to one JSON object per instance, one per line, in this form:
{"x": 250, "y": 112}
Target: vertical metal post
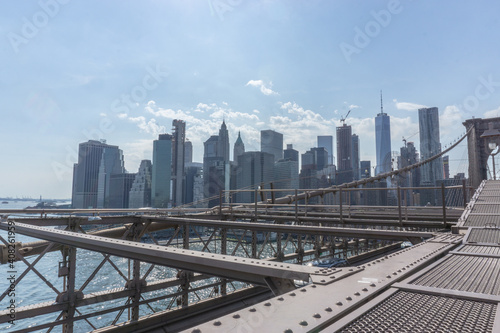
{"x": 493, "y": 162}
{"x": 273, "y": 194}
{"x": 349, "y": 201}
{"x": 69, "y": 255}
{"x": 220, "y": 204}
{"x": 443, "y": 199}
{"x": 464, "y": 191}
{"x": 254, "y": 244}
{"x": 185, "y": 236}
{"x": 296, "y": 208}
{"x": 306, "y": 202}
{"x": 137, "y": 289}
{"x": 399, "y": 206}
{"x": 223, "y": 250}
{"x": 255, "y": 199}
{"x": 340, "y": 206}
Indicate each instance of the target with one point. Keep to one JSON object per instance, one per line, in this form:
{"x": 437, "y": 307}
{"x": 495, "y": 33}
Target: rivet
{"x": 323, "y": 280}
{"x": 328, "y": 309}
{"x": 303, "y": 323}
{"x": 349, "y": 298}
{"x": 372, "y": 285}
{"x": 288, "y": 331}
{"x": 217, "y": 323}
{"x": 317, "y": 315}
{"x": 196, "y": 330}
{"x": 357, "y": 293}
{"x": 364, "y": 289}
{"x": 314, "y": 286}
{"x": 388, "y": 276}
{"x": 292, "y": 294}
{"x": 252, "y": 310}
{"x": 332, "y": 277}
{"x": 236, "y": 316}
{"x": 281, "y": 299}
{"x": 339, "y": 303}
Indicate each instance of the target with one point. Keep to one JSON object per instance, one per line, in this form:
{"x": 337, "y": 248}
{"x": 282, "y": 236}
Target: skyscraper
{"x": 286, "y": 176}
{"x": 223, "y": 143}
{"x": 272, "y": 142}
{"x": 97, "y": 161}
{"x": 355, "y": 156}
{"x": 216, "y": 167}
{"x": 178, "y": 151}
{"x": 430, "y": 145}
{"x": 254, "y": 168}
{"x": 291, "y": 154}
{"x": 326, "y": 141}
{"x": 162, "y": 171}
{"x": 239, "y": 148}
{"x": 382, "y": 140}
{"x": 344, "y": 151}
{"x": 188, "y": 152}
{"x": 140, "y": 192}
{"x": 365, "y": 169}
{"x": 119, "y": 190}
{"x": 446, "y": 167}
{"x": 111, "y": 164}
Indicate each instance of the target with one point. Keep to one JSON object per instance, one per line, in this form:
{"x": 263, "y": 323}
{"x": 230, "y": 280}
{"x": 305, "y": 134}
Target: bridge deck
{"x": 447, "y": 284}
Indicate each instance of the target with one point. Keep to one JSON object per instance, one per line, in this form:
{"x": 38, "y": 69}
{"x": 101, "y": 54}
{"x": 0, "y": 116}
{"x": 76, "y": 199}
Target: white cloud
{"x": 407, "y": 106}
{"x": 263, "y": 87}
{"x": 492, "y": 113}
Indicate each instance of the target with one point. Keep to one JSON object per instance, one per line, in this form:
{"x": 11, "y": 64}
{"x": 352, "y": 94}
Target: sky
{"x": 123, "y": 70}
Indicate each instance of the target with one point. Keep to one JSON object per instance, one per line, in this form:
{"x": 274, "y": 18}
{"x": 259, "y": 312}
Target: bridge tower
{"x": 478, "y": 156}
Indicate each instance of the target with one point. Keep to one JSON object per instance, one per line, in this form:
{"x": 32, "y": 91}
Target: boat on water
{"x": 5, "y": 202}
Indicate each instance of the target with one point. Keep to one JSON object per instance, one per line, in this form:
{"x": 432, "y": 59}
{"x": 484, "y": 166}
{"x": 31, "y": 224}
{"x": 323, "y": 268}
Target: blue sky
{"x": 122, "y": 70}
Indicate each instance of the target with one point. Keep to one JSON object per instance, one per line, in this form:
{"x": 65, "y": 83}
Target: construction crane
{"x": 406, "y": 139}
{"x": 342, "y": 119}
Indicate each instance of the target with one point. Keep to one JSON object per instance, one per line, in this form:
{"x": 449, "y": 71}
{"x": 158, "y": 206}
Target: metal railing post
{"x": 443, "y": 199}
{"x": 400, "y": 215}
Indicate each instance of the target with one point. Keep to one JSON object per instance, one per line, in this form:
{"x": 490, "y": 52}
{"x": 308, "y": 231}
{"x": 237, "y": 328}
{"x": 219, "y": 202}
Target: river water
{"x": 32, "y": 290}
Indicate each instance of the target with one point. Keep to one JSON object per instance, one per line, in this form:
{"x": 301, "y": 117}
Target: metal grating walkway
{"x": 414, "y": 312}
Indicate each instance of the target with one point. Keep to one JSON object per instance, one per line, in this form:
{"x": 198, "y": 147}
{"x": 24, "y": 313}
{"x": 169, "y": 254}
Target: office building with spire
{"x": 216, "y": 166}
{"x": 239, "y": 148}
{"x": 382, "y": 140}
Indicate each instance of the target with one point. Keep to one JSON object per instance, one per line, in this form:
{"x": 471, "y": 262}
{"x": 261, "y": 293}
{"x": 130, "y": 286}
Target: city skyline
{"x": 292, "y": 67}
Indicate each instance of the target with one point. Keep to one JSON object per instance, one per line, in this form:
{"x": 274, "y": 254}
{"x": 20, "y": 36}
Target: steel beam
{"x": 297, "y": 229}
{"x": 236, "y": 268}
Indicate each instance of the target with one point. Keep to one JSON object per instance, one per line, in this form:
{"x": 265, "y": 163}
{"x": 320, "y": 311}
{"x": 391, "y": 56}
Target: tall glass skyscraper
{"x": 344, "y": 154}
{"x": 97, "y": 161}
{"x": 430, "y": 145}
{"x": 326, "y": 141}
{"x": 382, "y": 140}
{"x": 272, "y": 142}
{"x": 355, "y": 156}
{"x": 162, "y": 171}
